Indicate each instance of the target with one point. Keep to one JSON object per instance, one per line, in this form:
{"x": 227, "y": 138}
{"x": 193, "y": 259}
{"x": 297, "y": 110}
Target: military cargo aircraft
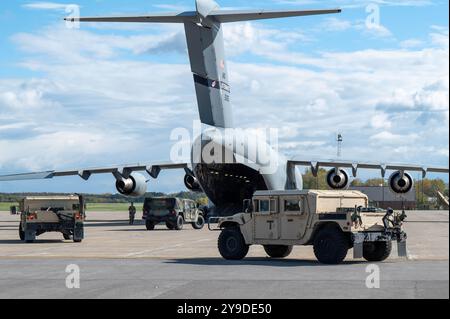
{"x": 227, "y": 183}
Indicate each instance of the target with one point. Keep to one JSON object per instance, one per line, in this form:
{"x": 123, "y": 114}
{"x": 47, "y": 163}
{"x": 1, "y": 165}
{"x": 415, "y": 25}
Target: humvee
{"x": 331, "y": 221}
{"x": 41, "y": 214}
{"x": 172, "y": 211}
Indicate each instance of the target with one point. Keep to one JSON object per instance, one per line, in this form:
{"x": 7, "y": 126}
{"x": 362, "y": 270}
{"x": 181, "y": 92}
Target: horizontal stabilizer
{"x": 222, "y": 16}
{"x": 179, "y": 17}
{"x": 242, "y": 15}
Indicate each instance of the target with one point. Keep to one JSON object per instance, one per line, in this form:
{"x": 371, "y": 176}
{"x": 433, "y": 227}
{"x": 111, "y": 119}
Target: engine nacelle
{"x": 401, "y": 183}
{"x": 192, "y": 183}
{"x": 134, "y": 186}
{"x": 337, "y": 179}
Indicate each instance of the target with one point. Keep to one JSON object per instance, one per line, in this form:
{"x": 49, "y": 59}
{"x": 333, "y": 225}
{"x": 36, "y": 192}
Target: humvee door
{"x": 265, "y": 218}
{"x": 293, "y": 216}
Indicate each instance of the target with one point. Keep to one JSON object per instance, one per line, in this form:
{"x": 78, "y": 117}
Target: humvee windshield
{"x": 160, "y": 203}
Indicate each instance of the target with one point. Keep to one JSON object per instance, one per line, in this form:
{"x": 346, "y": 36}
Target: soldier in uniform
{"x": 132, "y": 213}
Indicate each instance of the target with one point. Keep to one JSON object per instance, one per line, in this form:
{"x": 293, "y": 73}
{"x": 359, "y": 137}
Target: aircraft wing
{"x": 117, "y": 170}
{"x": 355, "y": 166}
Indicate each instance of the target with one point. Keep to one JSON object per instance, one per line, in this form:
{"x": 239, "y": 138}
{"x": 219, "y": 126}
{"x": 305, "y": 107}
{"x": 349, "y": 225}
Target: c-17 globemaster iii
{"x": 227, "y": 183}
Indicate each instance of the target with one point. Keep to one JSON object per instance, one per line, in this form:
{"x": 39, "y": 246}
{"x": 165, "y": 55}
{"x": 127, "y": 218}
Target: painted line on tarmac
{"x": 166, "y": 248}
{"x": 152, "y": 250}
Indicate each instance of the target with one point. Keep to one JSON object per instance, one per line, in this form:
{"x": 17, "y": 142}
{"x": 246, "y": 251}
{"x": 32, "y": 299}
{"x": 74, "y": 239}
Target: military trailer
{"x": 42, "y": 214}
{"x": 172, "y": 211}
{"x": 331, "y": 221}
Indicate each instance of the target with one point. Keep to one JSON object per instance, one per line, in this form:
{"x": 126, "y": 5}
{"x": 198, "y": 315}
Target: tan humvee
{"x": 331, "y": 221}
{"x": 41, "y": 214}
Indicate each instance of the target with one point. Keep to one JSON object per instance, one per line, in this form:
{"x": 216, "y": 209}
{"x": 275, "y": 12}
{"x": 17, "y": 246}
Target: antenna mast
{"x": 339, "y": 141}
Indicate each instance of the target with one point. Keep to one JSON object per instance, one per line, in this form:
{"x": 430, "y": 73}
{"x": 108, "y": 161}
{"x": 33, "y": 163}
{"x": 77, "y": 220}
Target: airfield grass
{"x": 112, "y": 207}
{"x": 93, "y": 207}
{"x": 5, "y": 206}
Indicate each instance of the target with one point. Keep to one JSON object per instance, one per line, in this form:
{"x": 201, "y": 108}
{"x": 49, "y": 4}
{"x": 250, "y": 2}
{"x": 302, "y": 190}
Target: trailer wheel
{"x": 21, "y": 233}
{"x": 149, "y": 225}
{"x": 179, "y": 223}
{"x": 275, "y": 251}
{"x": 199, "y": 223}
{"x": 232, "y": 245}
{"x": 377, "y": 251}
{"x": 330, "y": 246}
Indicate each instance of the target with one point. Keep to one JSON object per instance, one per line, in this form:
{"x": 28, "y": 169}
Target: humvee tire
{"x": 179, "y": 223}
{"x": 199, "y": 223}
{"x": 278, "y": 251}
{"x": 232, "y": 245}
{"x": 377, "y": 251}
{"x": 170, "y": 225}
{"x": 330, "y": 246}
{"x": 21, "y": 232}
{"x": 149, "y": 225}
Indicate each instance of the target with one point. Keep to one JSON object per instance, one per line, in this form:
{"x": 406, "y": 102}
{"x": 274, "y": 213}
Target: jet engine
{"x": 400, "y": 182}
{"x": 337, "y": 179}
{"x": 133, "y": 186}
{"x": 192, "y": 183}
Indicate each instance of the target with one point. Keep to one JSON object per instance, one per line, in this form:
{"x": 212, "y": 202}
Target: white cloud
{"x": 335, "y": 24}
{"x": 380, "y": 121}
{"x": 388, "y": 138}
{"x": 46, "y": 6}
{"x": 411, "y": 43}
{"x": 68, "y": 147}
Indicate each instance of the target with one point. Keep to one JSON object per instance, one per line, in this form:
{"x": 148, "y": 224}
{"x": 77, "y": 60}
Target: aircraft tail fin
{"x": 206, "y": 50}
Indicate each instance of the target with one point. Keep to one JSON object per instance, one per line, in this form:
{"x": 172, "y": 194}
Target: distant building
{"x": 383, "y": 197}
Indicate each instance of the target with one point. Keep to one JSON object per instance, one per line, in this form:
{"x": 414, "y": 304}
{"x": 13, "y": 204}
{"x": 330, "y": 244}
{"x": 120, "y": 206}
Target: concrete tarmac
{"x": 117, "y": 260}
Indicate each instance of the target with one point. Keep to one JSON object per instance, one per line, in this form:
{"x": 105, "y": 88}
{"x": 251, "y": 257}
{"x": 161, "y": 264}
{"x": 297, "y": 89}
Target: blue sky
{"x": 104, "y": 94}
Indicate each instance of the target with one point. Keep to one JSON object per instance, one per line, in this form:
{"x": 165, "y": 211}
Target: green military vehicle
{"x": 172, "y": 211}
{"x": 331, "y": 221}
{"x": 42, "y": 214}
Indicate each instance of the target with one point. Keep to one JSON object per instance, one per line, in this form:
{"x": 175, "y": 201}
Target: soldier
{"x": 132, "y": 213}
